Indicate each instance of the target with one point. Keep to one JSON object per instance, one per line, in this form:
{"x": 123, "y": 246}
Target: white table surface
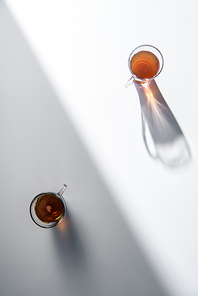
{"x": 83, "y": 49}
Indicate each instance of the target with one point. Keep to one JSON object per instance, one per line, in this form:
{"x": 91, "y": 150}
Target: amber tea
{"x": 49, "y": 208}
{"x": 145, "y": 64}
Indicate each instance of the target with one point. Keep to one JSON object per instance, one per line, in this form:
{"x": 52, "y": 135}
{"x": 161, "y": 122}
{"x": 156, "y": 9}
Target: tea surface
{"x": 145, "y": 64}
{"x": 49, "y": 208}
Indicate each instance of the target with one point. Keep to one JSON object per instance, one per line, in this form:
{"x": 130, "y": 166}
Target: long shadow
{"x": 171, "y": 146}
{"x": 69, "y": 248}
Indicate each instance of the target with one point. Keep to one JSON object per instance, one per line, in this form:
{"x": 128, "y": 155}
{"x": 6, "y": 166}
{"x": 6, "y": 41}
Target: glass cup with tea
{"x": 170, "y": 146}
{"x": 47, "y": 209}
{"x": 145, "y": 63}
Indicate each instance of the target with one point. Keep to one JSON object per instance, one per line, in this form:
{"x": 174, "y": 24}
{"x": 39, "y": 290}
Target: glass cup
{"x": 47, "y": 209}
{"x": 147, "y": 61}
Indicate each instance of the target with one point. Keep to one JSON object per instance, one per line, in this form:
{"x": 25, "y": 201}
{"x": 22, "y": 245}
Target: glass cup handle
{"x": 154, "y": 156}
{"x": 130, "y": 81}
{"x": 62, "y": 190}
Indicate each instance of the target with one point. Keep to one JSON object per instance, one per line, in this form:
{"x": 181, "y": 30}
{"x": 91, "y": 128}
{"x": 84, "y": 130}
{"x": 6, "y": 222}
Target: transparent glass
{"x": 147, "y": 49}
{"x": 47, "y": 209}
{"x": 162, "y": 134}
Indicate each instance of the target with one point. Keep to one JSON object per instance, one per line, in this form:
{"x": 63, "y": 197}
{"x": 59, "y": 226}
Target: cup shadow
{"x": 68, "y": 245}
{"x": 170, "y": 144}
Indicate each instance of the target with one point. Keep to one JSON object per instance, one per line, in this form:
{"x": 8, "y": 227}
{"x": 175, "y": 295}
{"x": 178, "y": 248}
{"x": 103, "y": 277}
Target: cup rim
{"x": 35, "y": 218}
{"x": 134, "y": 76}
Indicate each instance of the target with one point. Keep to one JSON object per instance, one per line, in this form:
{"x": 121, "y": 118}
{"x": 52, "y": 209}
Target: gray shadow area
{"x": 171, "y": 146}
{"x": 92, "y": 252}
{"x": 71, "y": 253}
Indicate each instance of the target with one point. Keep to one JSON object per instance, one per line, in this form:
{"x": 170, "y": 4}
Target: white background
{"x": 83, "y": 48}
